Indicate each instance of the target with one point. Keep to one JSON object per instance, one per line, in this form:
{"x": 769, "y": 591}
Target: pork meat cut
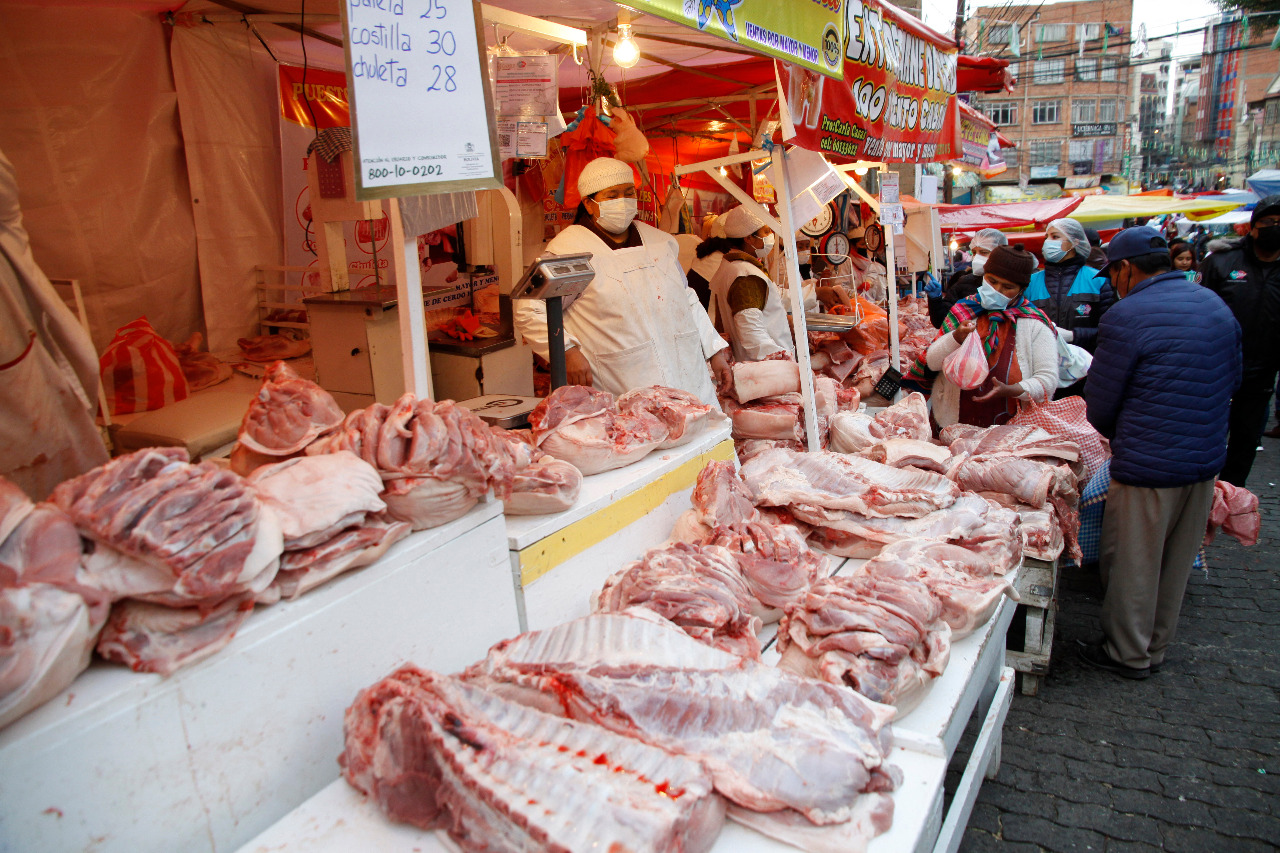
{"x": 850, "y": 534}
{"x": 698, "y": 587}
{"x": 850, "y": 432}
{"x": 755, "y": 379}
{"x": 288, "y": 413}
{"x": 909, "y": 453}
{"x": 683, "y": 413}
{"x": 546, "y": 486}
{"x": 152, "y": 638}
{"x": 907, "y": 418}
{"x": 775, "y": 560}
{"x": 272, "y": 347}
{"x": 775, "y": 419}
{"x": 316, "y": 497}
{"x": 351, "y": 548}
{"x": 437, "y": 752}
{"x": 882, "y": 636}
{"x": 772, "y": 740}
{"x": 582, "y": 426}
{"x": 839, "y": 482}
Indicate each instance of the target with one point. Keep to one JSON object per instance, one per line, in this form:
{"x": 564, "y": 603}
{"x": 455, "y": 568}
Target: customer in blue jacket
{"x": 1166, "y": 364}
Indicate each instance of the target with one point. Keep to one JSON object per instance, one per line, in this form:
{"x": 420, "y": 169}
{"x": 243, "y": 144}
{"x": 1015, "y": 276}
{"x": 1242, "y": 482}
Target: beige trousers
{"x": 1149, "y": 541}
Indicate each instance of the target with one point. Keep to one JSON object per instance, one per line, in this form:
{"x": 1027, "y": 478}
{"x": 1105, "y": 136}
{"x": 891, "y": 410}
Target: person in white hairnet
{"x": 48, "y": 367}
{"x": 638, "y": 323}
{"x": 748, "y": 303}
{"x": 1069, "y": 290}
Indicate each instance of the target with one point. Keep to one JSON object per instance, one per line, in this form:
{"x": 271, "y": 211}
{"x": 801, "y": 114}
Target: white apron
{"x": 776, "y": 327}
{"x": 635, "y": 322}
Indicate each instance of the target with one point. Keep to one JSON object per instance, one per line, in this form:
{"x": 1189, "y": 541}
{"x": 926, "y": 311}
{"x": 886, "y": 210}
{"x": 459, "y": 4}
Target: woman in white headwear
{"x": 1069, "y": 290}
{"x": 637, "y": 323}
{"x": 748, "y": 303}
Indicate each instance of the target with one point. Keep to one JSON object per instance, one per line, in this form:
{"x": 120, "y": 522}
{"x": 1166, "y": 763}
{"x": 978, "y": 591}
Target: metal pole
{"x": 555, "y": 342}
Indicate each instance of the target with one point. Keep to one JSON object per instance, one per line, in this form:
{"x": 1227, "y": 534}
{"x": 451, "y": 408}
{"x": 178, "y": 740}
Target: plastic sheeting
{"x": 1108, "y": 208}
{"x": 91, "y": 125}
{"x": 1014, "y": 214}
{"x": 227, "y": 88}
{"x": 1265, "y": 182}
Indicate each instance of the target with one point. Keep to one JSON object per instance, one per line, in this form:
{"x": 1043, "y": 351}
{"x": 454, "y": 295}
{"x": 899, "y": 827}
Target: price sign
{"x": 420, "y": 102}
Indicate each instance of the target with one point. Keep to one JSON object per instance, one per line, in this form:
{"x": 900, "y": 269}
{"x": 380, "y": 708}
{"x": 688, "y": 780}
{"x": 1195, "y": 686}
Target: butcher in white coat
{"x": 748, "y": 303}
{"x": 638, "y": 323}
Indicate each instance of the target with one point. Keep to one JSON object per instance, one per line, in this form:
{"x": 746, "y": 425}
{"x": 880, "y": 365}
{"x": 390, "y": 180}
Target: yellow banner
{"x": 809, "y": 33}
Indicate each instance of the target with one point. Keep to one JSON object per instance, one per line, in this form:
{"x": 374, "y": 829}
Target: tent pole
{"x": 799, "y": 327}
{"x": 413, "y": 322}
{"x": 891, "y": 267}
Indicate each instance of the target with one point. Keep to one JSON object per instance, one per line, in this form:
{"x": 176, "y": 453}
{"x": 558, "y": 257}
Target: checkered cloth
{"x": 1092, "y": 502}
{"x": 330, "y": 143}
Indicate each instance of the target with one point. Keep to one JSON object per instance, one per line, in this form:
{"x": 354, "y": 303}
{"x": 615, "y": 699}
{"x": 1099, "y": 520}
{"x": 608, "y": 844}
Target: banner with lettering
{"x": 807, "y": 32}
{"x": 980, "y": 143}
{"x": 897, "y": 101}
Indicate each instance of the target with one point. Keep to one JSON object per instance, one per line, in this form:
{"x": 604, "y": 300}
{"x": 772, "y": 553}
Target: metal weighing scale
{"x": 552, "y": 278}
{"x": 506, "y": 411}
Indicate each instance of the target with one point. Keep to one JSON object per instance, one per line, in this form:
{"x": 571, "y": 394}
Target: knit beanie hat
{"x": 1012, "y": 263}
{"x": 740, "y": 222}
{"x": 602, "y": 173}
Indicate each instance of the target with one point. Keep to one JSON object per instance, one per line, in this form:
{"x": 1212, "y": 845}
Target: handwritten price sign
{"x": 420, "y": 100}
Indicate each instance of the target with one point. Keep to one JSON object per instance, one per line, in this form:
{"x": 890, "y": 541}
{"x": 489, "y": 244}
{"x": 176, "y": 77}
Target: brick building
{"x": 1072, "y": 111}
{"x": 1238, "y": 72}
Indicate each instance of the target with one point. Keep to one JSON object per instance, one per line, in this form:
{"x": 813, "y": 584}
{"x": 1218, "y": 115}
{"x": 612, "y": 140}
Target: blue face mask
{"x": 992, "y": 299}
{"x": 1053, "y": 251}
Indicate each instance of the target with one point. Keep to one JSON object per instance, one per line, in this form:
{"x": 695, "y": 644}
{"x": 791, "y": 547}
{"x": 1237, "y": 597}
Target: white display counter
{"x": 340, "y": 820}
{"x": 557, "y": 561}
{"x": 211, "y": 756}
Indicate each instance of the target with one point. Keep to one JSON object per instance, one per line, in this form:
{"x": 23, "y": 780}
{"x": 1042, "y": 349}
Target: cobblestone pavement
{"x": 1187, "y": 760}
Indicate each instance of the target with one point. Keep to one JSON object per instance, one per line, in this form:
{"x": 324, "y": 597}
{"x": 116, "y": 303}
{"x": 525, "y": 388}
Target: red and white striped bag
{"x": 140, "y": 370}
{"x": 1067, "y": 418}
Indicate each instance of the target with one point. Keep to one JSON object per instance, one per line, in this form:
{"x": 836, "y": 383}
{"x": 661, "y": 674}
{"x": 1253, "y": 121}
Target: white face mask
{"x": 616, "y": 214}
{"x": 979, "y": 262}
{"x": 763, "y": 251}
{"x": 803, "y": 257}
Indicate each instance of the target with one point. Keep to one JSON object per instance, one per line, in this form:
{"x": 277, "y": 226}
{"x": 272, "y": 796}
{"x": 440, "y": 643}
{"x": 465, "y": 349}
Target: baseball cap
{"x": 1265, "y": 207}
{"x": 1132, "y": 243}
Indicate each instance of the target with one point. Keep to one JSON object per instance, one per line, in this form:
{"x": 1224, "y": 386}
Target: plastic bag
{"x": 140, "y": 370}
{"x": 966, "y": 368}
{"x": 1073, "y": 362}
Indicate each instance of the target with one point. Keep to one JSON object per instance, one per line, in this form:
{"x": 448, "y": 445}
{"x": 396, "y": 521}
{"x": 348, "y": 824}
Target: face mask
{"x": 1053, "y": 251}
{"x": 1268, "y": 238}
{"x": 763, "y": 251}
{"x": 979, "y": 263}
{"x": 616, "y": 214}
{"x": 803, "y": 257}
{"x": 992, "y": 299}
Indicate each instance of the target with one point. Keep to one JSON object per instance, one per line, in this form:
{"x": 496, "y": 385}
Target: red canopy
{"x": 983, "y": 74}
{"x": 1015, "y": 214}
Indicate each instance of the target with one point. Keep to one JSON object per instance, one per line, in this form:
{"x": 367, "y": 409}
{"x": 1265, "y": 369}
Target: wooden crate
{"x": 1037, "y": 586}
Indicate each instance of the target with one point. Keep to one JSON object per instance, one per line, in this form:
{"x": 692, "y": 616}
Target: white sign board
{"x": 420, "y": 102}
{"x": 888, "y": 188}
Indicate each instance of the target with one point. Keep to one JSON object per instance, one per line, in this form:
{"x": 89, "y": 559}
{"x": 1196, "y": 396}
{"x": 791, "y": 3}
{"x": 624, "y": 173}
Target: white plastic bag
{"x": 967, "y": 368}
{"x": 1073, "y": 362}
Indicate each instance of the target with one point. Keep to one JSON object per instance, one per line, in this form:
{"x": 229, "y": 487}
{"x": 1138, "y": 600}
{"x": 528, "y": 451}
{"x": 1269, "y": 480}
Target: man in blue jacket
{"x": 1166, "y": 364}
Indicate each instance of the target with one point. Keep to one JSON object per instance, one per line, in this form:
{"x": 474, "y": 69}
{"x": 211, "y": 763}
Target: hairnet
{"x": 1074, "y": 233}
{"x": 988, "y": 238}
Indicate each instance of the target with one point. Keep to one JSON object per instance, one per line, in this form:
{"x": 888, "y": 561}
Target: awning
{"x": 984, "y": 74}
{"x": 1104, "y": 208}
{"x": 1265, "y": 182}
{"x": 1014, "y": 214}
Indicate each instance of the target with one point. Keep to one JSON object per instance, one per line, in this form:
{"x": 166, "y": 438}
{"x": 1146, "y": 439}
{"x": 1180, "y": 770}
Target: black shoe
{"x": 1096, "y": 656}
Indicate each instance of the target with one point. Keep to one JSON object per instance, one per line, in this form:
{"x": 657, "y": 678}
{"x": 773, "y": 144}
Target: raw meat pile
{"x": 698, "y": 587}
{"x": 881, "y": 635}
{"x": 287, "y": 415}
{"x": 1026, "y": 469}
{"x": 330, "y": 516}
{"x": 436, "y": 460}
{"x": 201, "y": 369}
{"x": 915, "y": 329}
{"x": 857, "y": 432}
{"x": 592, "y": 431}
{"x": 49, "y": 621}
{"x": 649, "y": 710}
{"x": 273, "y": 347}
{"x": 437, "y": 752}
{"x": 772, "y": 555}
{"x": 767, "y": 410}
{"x": 1235, "y": 512}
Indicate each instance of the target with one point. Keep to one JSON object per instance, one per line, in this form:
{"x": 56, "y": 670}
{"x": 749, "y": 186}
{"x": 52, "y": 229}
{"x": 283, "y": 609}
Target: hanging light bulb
{"x": 956, "y": 171}
{"x": 954, "y": 245}
{"x": 626, "y": 52}
{"x": 724, "y": 172}
{"x": 860, "y": 171}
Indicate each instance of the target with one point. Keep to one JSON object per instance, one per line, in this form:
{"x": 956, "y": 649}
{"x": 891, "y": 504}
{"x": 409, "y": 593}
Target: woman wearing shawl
{"x": 1019, "y": 341}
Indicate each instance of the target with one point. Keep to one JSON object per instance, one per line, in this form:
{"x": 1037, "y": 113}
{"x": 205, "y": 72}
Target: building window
{"x": 1084, "y": 112}
{"x": 1049, "y": 70}
{"x": 1052, "y": 32}
{"x": 998, "y": 34}
{"x": 1109, "y": 70}
{"x": 1044, "y": 152}
{"x": 1045, "y": 112}
{"x": 1010, "y": 156}
{"x": 1108, "y": 110}
{"x": 1272, "y": 113}
{"x": 1087, "y": 70}
{"x": 1002, "y": 112}
{"x": 1106, "y": 148}
{"x": 1091, "y": 31}
{"x": 1079, "y": 149}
